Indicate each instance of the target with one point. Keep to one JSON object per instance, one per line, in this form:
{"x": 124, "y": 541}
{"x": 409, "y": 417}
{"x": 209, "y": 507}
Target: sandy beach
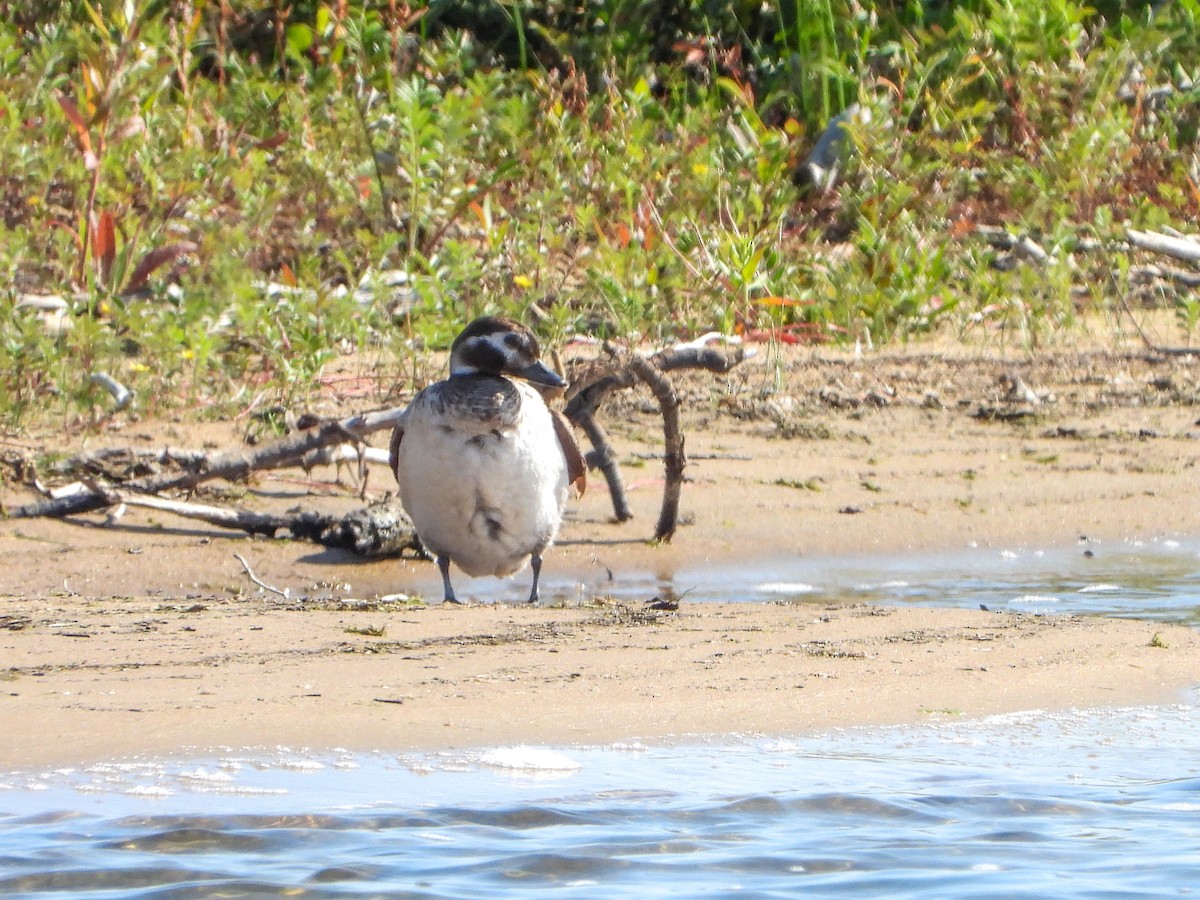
{"x": 146, "y": 636}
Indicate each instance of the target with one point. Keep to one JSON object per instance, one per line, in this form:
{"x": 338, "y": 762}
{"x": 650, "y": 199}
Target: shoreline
{"x": 188, "y": 680}
{"x": 147, "y": 636}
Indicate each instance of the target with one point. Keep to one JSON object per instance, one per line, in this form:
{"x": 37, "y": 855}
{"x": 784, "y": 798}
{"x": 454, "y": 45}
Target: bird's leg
{"x": 443, "y": 562}
{"x": 535, "y": 562}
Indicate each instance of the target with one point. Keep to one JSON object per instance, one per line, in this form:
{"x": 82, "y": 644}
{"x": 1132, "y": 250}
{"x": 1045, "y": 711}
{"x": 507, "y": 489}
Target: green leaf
{"x": 299, "y": 38}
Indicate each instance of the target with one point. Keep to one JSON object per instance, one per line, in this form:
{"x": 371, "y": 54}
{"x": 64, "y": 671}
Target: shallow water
{"x": 1087, "y": 804}
{"x": 1084, "y": 804}
{"x": 1154, "y": 580}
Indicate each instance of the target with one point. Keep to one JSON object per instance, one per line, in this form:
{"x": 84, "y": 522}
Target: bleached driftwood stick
{"x": 231, "y": 465}
{"x": 381, "y": 530}
{"x": 303, "y": 525}
{"x": 1177, "y": 247}
{"x": 262, "y": 584}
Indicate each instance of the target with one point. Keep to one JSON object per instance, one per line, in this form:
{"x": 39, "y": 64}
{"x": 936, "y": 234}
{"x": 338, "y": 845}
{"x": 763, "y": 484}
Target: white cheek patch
{"x": 480, "y": 354}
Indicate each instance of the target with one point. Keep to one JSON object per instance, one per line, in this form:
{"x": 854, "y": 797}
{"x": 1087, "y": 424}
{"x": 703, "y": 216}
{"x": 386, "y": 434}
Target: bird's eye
{"x": 513, "y": 341}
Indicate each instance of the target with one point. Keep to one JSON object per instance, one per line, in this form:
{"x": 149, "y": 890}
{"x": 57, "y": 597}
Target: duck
{"x": 484, "y": 466}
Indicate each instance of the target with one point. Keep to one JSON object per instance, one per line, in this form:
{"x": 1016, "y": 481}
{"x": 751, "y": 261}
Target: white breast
{"x": 487, "y": 499}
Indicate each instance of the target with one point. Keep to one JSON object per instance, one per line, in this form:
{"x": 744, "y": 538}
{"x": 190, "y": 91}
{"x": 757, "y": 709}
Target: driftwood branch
{"x": 1176, "y": 246}
{"x": 593, "y": 394}
{"x": 231, "y": 465}
{"x": 581, "y": 409}
{"x": 1168, "y": 245}
{"x": 121, "y": 464}
{"x": 378, "y": 531}
{"x": 1165, "y": 273}
{"x": 603, "y": 457}
{"x": 381, "y": 529}
{"x": 107, "y": 459}
{"x": 674, "y": 458}
{"x": 307, "y": 526}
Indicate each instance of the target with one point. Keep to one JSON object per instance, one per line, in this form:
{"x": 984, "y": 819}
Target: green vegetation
{"x": 206, "y": 184}
{"x": 808, "y": 484}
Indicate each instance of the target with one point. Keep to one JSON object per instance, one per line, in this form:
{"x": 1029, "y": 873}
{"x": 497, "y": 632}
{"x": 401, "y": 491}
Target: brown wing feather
{"x": 394, "y": 449}
{"x": 576, "y": 467}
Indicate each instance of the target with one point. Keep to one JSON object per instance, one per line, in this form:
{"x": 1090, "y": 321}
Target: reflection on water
{"x": 1078, "y": 804}
{"x": 1085, "y": 804}
{"x": 1157, "y": 580}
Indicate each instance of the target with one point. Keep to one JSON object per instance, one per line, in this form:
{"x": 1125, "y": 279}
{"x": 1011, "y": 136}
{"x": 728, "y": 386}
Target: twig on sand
{"x": 262, "y": 584}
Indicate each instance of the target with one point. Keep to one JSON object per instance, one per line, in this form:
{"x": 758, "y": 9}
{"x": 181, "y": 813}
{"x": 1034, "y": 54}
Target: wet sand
{"x": 147, "y": 636}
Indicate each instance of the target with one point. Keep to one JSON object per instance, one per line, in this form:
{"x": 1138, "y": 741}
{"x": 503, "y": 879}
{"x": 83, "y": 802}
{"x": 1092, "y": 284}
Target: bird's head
{"x": 494, "y": 345}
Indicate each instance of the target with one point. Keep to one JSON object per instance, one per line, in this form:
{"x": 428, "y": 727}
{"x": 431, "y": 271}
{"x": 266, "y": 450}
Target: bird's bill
{"x": 538, "y": 373}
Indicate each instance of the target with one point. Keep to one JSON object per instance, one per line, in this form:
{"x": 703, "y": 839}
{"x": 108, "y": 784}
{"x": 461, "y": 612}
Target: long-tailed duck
{"x": 483, "y": 464}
